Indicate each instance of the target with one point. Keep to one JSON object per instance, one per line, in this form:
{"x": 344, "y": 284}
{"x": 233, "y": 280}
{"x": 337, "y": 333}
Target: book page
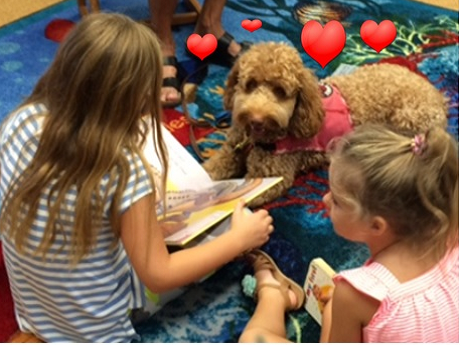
{"x": 184, "y": 171}
{"x": 215, "y": 231}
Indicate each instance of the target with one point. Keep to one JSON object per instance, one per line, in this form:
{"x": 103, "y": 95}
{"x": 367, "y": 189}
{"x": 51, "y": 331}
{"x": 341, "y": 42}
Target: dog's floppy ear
{"x": 308, "y": 113}
{"x": 229, "y": 90}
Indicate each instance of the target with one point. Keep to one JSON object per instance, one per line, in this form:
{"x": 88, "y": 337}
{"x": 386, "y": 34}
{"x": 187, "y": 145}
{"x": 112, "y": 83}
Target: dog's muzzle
{"x": 262, "y": 130}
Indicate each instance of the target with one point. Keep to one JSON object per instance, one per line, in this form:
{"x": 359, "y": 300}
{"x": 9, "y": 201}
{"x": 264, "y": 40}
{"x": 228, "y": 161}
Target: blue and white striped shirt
{"x": 90, "y": 302}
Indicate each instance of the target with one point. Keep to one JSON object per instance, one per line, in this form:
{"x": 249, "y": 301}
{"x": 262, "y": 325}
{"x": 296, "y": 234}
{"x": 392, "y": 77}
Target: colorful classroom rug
{"x": 216, "y": 310}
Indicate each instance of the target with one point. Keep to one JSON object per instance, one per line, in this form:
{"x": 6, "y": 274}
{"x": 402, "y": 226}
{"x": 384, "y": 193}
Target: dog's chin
{"x": 264, "y": 135}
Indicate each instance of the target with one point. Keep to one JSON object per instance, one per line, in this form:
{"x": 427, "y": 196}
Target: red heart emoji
{"x": 323, "y": 44}
{"x": 251, "y": 25}
{"x": 378, "y": 36}
{"x": 202, "y": 46}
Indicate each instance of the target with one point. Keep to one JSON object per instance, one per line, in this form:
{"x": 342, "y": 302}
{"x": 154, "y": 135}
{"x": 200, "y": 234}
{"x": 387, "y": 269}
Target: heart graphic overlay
{"x": 251, "y": 25}
{"x": 379, "y": 36}
{"x": 201, "y": 46}
{"x": 323, "y": 44}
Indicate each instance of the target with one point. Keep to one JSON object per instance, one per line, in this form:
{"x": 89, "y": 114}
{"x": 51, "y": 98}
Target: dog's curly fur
{"x": 272, "y": 94}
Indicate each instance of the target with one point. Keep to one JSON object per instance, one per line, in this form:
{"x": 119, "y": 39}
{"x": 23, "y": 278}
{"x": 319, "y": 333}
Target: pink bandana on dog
{"x": 337, "y": 122}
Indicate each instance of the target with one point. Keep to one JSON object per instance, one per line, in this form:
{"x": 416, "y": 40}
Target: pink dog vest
{"x": 337, "y": 122}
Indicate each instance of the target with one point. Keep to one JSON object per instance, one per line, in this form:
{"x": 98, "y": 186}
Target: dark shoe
{"x": 174, "y": 82}
{"x": 221, "y": 56}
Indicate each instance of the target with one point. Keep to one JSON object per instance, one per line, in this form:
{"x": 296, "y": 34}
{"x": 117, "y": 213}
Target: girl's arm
{"x": 326, "y": 322}
{"x": 346, "y": 315}
{"x": 160, "y": 271}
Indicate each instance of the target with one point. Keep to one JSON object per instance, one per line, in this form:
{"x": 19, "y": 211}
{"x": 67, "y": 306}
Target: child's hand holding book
{"x": 252, "y": 229}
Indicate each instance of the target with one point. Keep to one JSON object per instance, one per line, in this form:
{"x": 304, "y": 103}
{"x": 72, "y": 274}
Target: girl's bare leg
{"x": 267, "y": 324}
{"x": 161, "y": 14}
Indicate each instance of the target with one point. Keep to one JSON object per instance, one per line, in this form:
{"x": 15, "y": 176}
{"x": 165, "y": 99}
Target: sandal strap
{"x": 170, "y": 61}
{"x": 262, "y": 261}
{"x": 174, "y": 82}
{"x": 221, "y": 56}
{"x": 221, "y": 53}
{"x": 284, "y": 289}
{"x": 225, "y": 40}
{"x": 171, "y": 82}
{"x": 245, "y": 45}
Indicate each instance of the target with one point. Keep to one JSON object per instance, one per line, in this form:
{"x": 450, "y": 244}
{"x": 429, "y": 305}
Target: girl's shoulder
{"x": 27, "y": 111}
{"x": 372, "y": 279}
{"x": 29, "y": 114}
{"x": 353, "y": 309}
{"x": 379, "y": 282}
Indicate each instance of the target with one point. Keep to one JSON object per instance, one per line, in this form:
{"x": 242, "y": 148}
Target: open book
{"x": 214, "y": 231}
{"x": 194, "y": 202}
{"x": 318, "y": 288}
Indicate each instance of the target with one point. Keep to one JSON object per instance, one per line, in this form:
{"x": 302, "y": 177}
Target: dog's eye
{"x": 279, "y": 92}
{"x": 251, "y": 85}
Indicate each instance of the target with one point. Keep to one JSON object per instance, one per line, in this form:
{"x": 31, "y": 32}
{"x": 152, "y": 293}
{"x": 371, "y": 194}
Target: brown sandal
{"x": 262, "y": 261}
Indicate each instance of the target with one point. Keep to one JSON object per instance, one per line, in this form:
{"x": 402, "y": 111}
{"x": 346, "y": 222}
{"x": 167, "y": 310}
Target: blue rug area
{"x": 216, "y": 310}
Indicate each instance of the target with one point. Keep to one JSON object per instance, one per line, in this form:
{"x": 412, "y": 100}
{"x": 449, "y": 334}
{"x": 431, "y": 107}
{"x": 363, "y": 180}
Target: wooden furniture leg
{"x": 188, "y": 17}
{"x": 178, "y": 19}
{"x": 83, "y": 8}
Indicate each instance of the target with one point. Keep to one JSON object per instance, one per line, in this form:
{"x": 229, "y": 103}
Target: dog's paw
{"x": 270, "y": 195}
{"x": 218, "y": 170}
{"x": 211, "y": 168}
{"x": 216, "y": 175}
{"x": 257, "y": 202}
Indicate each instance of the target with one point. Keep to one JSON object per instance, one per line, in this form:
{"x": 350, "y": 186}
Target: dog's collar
{"x": 271, "y": 147}
{"x": 246, "y": 145}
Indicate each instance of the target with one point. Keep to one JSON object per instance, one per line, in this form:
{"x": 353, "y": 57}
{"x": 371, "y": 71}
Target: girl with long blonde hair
{"x": 79, "y": 230}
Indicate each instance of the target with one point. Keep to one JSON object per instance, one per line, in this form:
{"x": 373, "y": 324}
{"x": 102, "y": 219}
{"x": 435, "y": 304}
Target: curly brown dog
{"x": 282, "y": 118}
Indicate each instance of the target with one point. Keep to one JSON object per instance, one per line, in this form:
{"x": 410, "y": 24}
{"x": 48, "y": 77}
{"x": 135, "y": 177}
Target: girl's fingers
{"x": 239, "y": 206}
{"x": 262, "y": 212}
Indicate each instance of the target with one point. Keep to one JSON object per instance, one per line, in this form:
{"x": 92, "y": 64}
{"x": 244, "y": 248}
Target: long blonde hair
{"x": 411, "y": 180}
{"x": 106, "y": 74}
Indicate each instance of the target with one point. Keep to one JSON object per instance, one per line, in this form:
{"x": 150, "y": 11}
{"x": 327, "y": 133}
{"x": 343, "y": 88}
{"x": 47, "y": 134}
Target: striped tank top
{"x": 87, "y": 303}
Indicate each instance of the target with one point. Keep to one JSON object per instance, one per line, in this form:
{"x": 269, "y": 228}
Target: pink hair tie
{"x": 418, "y": 144}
